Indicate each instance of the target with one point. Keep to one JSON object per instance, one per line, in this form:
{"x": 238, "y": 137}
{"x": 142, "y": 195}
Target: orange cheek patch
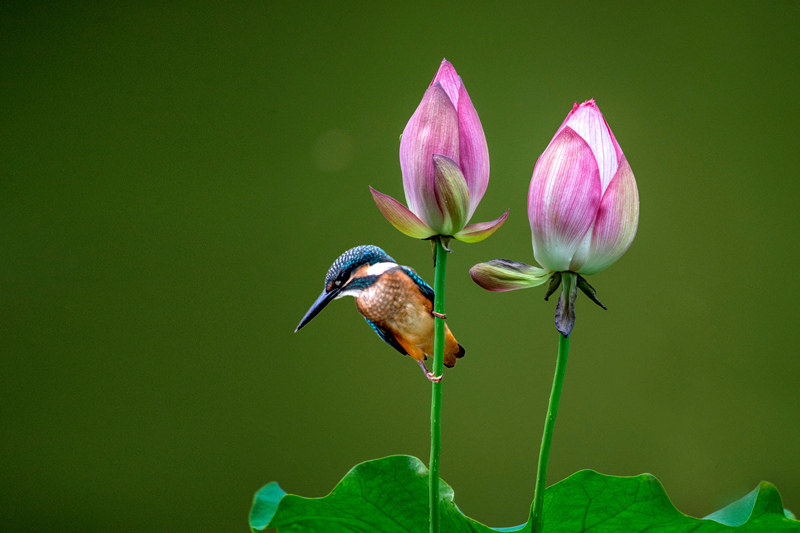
{"x": 360, "y": 272}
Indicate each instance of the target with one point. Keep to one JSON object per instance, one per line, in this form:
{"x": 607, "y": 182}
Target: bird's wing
{"x": 387, "y": 336}
{"x": 423, "y": 287}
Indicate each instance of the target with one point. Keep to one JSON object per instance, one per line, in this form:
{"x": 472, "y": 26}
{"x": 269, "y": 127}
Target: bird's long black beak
{"x": 323, "y": 300}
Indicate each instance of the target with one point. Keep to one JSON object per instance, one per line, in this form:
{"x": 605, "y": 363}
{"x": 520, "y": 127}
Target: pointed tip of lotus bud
{"x": 446, "y": 70}
{"x": 586, "y": 103}
{"x": 449, "y": 80}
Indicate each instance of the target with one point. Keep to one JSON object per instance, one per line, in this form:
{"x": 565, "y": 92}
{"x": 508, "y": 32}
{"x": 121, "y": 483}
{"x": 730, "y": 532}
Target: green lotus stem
{"x": 537, "y": 511}
{"x": 436, "y": 396}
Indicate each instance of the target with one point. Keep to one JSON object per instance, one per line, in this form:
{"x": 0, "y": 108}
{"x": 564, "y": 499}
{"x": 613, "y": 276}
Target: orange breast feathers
{"x": 395, "y": 304}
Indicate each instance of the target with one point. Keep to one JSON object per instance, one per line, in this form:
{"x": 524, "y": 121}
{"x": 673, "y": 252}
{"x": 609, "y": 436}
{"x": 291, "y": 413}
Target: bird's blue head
{"x": 341, "y": 273}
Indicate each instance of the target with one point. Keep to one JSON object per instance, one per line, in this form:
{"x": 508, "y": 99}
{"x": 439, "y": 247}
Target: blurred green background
{"x": 176, "y": 179}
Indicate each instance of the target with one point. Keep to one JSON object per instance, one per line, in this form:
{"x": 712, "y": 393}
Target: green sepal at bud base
{"x": 555, "y": 283}
{"x": 589, "y": 291}
{"x": 565, "y": 310}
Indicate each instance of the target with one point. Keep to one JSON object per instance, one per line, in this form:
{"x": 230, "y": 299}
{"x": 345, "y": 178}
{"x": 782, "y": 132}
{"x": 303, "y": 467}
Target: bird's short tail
{"x": 452, "y": 349}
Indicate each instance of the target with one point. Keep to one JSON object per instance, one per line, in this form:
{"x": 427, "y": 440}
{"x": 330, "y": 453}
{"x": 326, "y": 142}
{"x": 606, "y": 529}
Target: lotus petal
{"x": 452, "y": 195}
{"x": 473, "y": 151}
{"x": 432, "y": 129}
{"x": 501, "y": 275}
{"x": 616, "y": 223}
{"x": 401, "y": 217}
{"x": 588, "y": 122}
{"x": 479, "y": 231}
{"x": 563, "y": 199}
{"x": 450, "y": 81}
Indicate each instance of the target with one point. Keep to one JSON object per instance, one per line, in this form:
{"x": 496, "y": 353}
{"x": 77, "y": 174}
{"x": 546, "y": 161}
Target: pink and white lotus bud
{"x": 445, "y": 164}
{"x": 583, "y": 204}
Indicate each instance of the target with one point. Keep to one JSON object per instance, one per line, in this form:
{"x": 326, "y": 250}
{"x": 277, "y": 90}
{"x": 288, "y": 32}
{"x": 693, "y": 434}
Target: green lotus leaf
{"x": 391, "y": 495}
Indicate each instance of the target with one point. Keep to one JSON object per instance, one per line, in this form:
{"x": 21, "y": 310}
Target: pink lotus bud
{"x": 583, "y": 204}
{"x": 445, "y": 164}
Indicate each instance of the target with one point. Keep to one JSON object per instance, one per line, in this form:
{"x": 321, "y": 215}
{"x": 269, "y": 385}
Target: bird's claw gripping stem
{"x": 430, "y": 375}
{"x": 439, "y": 315}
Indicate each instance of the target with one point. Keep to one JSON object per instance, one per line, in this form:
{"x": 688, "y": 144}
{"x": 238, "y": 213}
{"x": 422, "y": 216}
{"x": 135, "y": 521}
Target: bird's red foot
{"x": 439, "y": 315}
{"x": 434, "y": 379}
{"x": 430, "y": 375}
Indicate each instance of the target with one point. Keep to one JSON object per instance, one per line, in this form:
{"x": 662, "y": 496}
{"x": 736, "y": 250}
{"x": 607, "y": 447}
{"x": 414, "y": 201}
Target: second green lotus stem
{"x": 537, "y": 511}
{"x": 436, "y": 398}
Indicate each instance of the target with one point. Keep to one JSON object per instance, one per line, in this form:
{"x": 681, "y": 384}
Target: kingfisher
{"x": 394, "y": 300}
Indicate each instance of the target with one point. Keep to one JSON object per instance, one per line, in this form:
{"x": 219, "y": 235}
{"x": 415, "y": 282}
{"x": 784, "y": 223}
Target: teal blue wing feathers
{"x": 423, "y": 287}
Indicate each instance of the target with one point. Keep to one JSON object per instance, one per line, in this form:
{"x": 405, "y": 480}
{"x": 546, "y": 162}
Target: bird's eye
{"x": 337, "y": 282}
